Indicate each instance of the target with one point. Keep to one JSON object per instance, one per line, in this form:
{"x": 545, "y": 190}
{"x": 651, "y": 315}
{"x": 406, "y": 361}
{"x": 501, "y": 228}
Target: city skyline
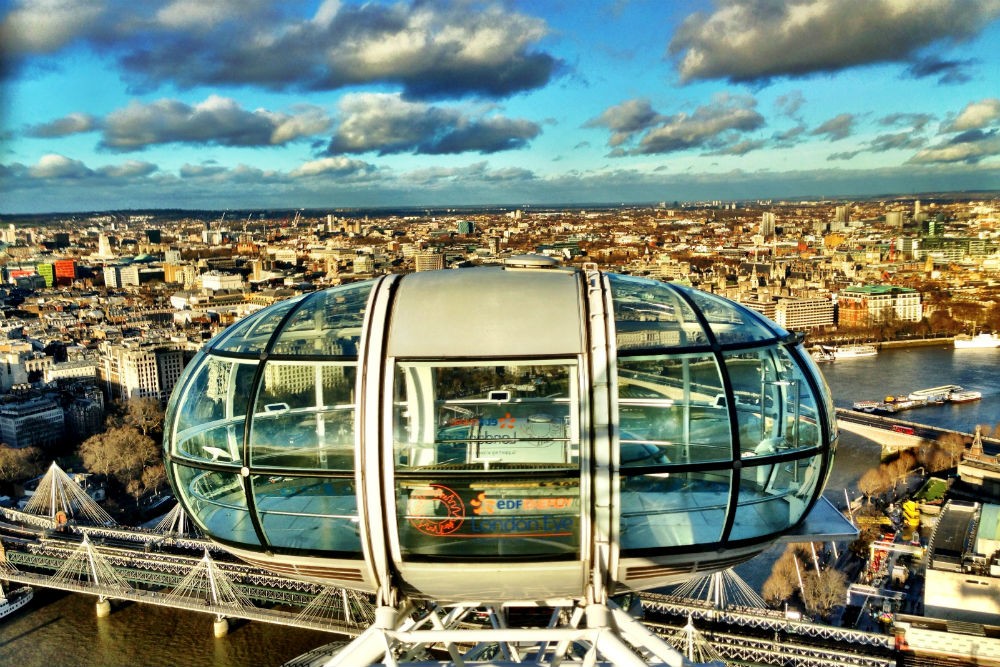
{"x": 182, "y": 104}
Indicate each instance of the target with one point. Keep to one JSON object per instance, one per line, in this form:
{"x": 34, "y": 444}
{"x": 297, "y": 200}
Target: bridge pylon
{"x": 59, "y": 497}
{"x": 88, "y": 568}
{"x": 339, "y": 604}
{"x": 721, "y": 589}
{"x": 175, "y": 522}
{"x": 208, "y": 584}
{"x": 695, "y": 648}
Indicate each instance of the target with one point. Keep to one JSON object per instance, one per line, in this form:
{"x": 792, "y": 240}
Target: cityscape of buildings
{"x": 106, "y": 307}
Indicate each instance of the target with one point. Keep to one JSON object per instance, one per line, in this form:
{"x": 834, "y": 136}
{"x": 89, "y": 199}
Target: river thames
{"x": 60, "y": 629}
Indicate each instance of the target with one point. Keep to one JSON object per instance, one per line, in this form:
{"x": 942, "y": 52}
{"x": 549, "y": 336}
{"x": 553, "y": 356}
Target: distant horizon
{"x": 355, "y": 104}
{"x": 792, "y": 200}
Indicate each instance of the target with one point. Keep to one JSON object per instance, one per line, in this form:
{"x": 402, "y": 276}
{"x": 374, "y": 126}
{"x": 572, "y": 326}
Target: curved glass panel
{"x": 216, "y": 499}
{"x": 219, "y": 444}
{"x": 304, "y": 416}
{"x": 480, "y": 428}
{"x": 205, "y": 395}
{"x": 252, "y": 334}
{"x": 775, "y": 407}
{"x": 313, "y": 514}
{"x": 673, "y": 509}
{"x": 328, "y": 323}
{"x": 730, "y": 323}
{"x": 474, "y": 416}
{"x": 774, "y": 496}
{"x": 211, "y": 417}
{"x": 649, "y": 315}
{"x": 669, "y": 410}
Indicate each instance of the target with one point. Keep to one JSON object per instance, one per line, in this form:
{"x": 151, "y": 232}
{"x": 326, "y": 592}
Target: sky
{"x": 243, "y": 104}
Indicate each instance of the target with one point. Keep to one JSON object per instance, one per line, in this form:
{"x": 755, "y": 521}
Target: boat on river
{"x": 851, "y": 351}
{"x": 15, "y": 599}
{"x": 979, "y": 341}
{"x": 964, "y": 396}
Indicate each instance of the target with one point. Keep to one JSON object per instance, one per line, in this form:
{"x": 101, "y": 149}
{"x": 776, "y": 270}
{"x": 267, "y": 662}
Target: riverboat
{"x": 935, "y": 394}
{"x": 979, "y": 341}
{"x": 852, "y": 351}
{"x": 964, "y": 396}
{"x": 14, "y": 600}
{"x": 866, "y": 406}
{"x": 820, "y": 354}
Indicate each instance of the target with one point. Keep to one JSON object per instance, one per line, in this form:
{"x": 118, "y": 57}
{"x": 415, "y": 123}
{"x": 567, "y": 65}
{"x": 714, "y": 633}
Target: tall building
{"x": 85, "y": 414}
{"x": 133, "y": 369}
{"x": 13, "y": 355}
{"x": 864, "y": 305}
{"x": 37, "y": 422}
{"x": 804, "y": 314}
{"x": 47, "y": 272}
{"x": 842, "y": 214}
{"x": 767, "y": 224}
{"x": 466, "y": 227}
{"x": 364, "y": 264}
{"x": 428, "y": 261}
{"x": 112, "y": 276}
{"x": 104, "y": 246}
{"x": 65, "y": 271}
{"x": 894, "y": 219}
{"x": 215, "y": 280}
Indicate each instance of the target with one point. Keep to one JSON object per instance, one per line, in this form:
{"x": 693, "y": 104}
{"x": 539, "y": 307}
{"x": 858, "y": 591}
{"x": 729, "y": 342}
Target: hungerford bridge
{"x": 64, "y": 540}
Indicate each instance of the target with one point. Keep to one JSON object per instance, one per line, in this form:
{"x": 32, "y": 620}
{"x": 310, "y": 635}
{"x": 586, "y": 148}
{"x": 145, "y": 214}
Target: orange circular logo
{"x": 437, "y": 510}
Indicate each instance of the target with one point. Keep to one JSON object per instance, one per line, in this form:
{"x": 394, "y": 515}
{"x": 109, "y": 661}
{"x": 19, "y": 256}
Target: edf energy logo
{"x": 521, "y": 517}
{"x": 507, "y": 421}
{"x": 481, "y": 504}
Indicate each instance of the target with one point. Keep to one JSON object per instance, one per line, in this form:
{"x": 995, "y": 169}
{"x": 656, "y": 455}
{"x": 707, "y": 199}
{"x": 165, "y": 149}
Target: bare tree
{"x": 873, "y": 482}
{"x": 823, "y": 591}
{"x": 18, "y": 463}
{"x": 953, "y": 445}
{"x": 784, "y": 578}
{"x": 145, "y": 414}
{"x": 121, "y": 452}
{"x": 934, "y": 457}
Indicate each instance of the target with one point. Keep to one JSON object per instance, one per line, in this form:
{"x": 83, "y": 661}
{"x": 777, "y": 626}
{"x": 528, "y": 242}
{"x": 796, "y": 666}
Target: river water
{"x": 60, "y": 629}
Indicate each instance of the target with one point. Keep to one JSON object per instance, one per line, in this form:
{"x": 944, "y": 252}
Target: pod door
{"x": 486, "y": 465}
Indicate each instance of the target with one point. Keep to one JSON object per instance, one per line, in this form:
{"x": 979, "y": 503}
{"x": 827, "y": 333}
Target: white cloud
{"x": 976, "y": 115}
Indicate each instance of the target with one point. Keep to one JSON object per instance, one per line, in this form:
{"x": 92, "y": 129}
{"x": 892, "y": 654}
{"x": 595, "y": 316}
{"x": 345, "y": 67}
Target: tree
{"x": 953, "y": 445}
{"x": 934, "y": 457}
{"x": 823, "y": 591}
{"x": 152, "y": 478}
{"x": 18, "y": 463}
{"x": 145, "y": 414}
{"x": 868, "y": 519}
{"x": 122, "y": 452}
{"x": 784, "y": 578}
{"x": 874, "y": 482}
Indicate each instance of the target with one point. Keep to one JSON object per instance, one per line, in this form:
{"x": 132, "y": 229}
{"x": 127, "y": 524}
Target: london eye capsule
{"x": 516, "y": 432}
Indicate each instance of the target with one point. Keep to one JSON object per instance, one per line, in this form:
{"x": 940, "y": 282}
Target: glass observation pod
{"x": 516, "y": 432}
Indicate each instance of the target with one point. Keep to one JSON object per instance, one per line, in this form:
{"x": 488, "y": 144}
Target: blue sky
{"x": 116, "y": 104}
